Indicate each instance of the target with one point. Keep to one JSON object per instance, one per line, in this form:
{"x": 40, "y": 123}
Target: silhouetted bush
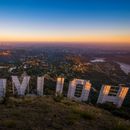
{"x": 121, "y": 113}
{"x": 108, "y": 106}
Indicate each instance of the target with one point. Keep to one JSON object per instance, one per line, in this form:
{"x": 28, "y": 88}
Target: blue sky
{"x": 63, "y": 18}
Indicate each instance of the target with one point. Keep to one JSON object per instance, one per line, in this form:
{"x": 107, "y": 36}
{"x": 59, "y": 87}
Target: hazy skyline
{"x": 93, "y": 21}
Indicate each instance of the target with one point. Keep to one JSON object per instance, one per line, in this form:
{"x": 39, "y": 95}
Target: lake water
{"x": 124, "y": 67}
{"x": 98, "y": 60}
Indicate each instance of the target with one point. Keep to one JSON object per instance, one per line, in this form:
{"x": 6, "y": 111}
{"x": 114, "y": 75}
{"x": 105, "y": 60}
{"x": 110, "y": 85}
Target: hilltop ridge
{"x": 56, "y": 113}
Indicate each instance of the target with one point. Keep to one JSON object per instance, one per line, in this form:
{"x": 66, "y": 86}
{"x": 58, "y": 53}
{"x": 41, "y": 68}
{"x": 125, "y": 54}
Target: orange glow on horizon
{"x": 125, "y": 39}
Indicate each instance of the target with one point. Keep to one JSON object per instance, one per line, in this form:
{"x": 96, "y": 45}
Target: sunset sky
{"x": 100, "y": 21}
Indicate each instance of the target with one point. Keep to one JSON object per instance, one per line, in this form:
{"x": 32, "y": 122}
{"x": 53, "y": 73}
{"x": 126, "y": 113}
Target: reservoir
{"x": 98, "y": 60}
{"x": 124, "y": 67}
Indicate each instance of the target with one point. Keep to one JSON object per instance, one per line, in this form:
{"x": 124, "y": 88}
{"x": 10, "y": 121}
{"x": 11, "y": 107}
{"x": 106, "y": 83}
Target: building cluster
{"x": 79, "y": 89}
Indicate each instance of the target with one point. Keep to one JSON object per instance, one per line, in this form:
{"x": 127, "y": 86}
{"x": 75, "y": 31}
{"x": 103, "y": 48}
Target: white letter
{"x": 20, "y": 87}
{"x": 40, "y": 84}
{"x": 112, "y": 94}
{"x": 79, "y": 90}
{"x": 59, "y": 85}
{"x": 2, "y": 87}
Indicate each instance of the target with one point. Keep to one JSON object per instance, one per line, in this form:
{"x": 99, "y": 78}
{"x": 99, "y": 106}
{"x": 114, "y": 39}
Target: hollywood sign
{"x": 79, "y": 89}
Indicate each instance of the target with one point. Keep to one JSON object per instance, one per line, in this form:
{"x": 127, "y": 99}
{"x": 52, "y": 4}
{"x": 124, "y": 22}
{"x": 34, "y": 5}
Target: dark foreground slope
{"x": 49, "y": 113}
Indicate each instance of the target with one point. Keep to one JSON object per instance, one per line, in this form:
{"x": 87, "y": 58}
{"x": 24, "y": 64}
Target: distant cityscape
{"x": 100, "y": 66}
